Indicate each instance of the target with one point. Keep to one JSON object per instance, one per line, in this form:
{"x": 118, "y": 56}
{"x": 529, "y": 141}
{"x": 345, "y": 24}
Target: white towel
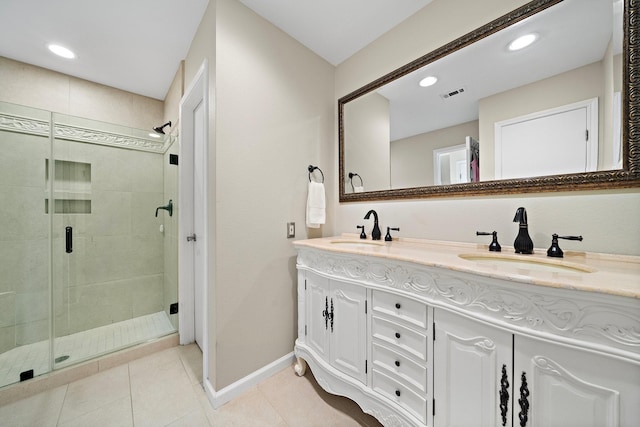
{"x": 358, "y": 189}
{"x": 315, "y": 205}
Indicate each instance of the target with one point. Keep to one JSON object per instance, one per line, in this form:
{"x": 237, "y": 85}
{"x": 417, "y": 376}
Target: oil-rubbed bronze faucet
{"x": 375, "y": 233}
{"x": 523, "y": 243}
{"x": 555, "y": 251}
{"x": 168, "y": 207}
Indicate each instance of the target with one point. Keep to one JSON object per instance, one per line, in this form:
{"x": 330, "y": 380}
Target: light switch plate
{"x": 291, "y": 230}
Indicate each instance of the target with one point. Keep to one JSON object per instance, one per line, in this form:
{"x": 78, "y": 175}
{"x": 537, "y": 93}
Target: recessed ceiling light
{"x": 522, "y": 41}
{"x": 154, "y": 135}
{"x": 428, "y": 81}
{"x": 61, "y": 51}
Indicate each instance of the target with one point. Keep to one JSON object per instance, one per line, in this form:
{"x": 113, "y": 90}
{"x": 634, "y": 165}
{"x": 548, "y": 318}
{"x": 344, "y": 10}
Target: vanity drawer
{"x": 409, "y": 371}
{"x": 406, "y": 398}
{"x": 402, "y": 337}
{"x": 410, "y": 311}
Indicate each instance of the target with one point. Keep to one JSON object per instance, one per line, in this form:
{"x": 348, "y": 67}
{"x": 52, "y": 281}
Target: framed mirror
{"x": 560, "y": 114}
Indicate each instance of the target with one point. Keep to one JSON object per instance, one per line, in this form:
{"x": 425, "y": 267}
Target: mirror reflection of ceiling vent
{"x": 455, "y": 92}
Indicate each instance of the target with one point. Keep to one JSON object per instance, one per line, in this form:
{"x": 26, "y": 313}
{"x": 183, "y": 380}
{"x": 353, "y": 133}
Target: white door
{"x": 473, "y": 362}
{"x": 193, "y": 229}
{"x": 558, "y": 141}
{"x": 199, "y": 176}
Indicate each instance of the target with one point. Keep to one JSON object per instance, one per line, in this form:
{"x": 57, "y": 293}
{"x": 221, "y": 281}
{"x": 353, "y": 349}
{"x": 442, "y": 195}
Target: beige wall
{"x": 412, "y": 157}
{"x": 607, "y": 219}
{"x": 272, "y": 112}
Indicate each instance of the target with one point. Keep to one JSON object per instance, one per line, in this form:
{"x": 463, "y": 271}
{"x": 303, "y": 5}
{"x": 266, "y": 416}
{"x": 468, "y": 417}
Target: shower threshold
{"x": 81, "y": 346}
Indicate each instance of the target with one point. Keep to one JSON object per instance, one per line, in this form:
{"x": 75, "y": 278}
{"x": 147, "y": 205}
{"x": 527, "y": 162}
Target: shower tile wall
{"x": 116, "y": 269}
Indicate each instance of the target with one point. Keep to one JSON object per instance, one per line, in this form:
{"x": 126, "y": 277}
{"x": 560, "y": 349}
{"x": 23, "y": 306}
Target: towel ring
{"x": 351, "y": 175}
{"x": 311, "y": 168}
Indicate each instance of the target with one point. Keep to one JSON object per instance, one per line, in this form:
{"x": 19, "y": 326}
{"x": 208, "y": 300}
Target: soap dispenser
{"x": 523, "y": 243}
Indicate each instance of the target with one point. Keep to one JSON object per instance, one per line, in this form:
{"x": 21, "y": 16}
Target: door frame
{"x": 197, "y": 93}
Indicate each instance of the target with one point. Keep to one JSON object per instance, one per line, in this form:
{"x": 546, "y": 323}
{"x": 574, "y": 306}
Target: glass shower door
{"x": 71, "y": 207}
{"x": 24, "y": 244}
{"x": 108, "y": 247}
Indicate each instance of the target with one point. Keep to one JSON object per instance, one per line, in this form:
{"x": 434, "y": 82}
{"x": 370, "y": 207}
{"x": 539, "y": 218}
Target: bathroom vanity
{"x": 438, "y": 334}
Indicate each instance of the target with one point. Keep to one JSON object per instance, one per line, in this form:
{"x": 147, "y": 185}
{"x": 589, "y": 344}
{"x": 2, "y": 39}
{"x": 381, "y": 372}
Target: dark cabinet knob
{"x": 398, "y": 393}
{"x": 398, "y": 305}
{"x": 397, "y": 334}
{"x": 397, "y": 363}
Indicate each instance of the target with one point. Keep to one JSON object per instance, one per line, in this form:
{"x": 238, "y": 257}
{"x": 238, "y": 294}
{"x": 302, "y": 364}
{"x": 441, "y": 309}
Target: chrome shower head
{"x": 160, "y": 129}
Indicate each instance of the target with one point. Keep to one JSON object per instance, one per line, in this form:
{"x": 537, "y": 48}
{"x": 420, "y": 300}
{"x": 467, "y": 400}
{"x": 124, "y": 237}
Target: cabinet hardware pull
{"x": 523, "y": 401}
{"x": 398, "y": 305}
{"x": 398, "y": 363}
{"x": 398, "y": 393}
{"x": 325, "y": 313}
{"x": 504, "y": 395}
{"x": 397, "y": 334}
{"x": 331, "y": 315}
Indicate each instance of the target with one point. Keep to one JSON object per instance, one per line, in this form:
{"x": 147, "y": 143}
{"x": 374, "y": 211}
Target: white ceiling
{"x": 336, "y": 29}
{"x": 136, "y": 45}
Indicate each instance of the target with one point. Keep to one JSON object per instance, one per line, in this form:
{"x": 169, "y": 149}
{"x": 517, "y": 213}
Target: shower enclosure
{"x": 86, "y": 268}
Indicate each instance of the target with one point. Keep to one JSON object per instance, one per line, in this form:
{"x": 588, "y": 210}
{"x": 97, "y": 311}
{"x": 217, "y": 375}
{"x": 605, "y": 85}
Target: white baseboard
{"x": 219, "y": 398}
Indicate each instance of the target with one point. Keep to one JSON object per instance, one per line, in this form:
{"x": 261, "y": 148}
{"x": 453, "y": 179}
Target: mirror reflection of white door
{"x": 457, "y": 164}
{"x": 557, "y": 141}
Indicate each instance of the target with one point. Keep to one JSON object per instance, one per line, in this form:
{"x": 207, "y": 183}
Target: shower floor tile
{"x": 82, "y": 346}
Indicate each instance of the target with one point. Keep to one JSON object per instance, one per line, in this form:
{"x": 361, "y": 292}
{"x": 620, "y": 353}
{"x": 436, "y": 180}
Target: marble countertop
{"x": 584, "y": 271}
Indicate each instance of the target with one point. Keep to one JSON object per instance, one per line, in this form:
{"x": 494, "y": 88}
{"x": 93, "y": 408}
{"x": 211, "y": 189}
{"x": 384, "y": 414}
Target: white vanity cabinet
{"x": 486, "y": 376}
{"x": 571, "y": 387}
{"x": 473, "y": 363}
{"x": 337, "y": 324}
{"x": 401, "y": 349}
{"x": 419, "y": 344}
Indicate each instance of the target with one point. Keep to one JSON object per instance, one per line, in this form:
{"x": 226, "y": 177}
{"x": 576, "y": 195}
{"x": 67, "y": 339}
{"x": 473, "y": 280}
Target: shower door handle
{"x": 69, "y": 239}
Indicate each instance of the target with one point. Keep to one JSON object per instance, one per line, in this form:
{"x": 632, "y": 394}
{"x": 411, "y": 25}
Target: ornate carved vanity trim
{"x": 593, "y": 321}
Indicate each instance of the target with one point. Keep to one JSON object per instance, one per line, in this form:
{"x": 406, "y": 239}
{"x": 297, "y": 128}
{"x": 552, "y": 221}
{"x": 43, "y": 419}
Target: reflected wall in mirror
{"x": 563, "y": 102}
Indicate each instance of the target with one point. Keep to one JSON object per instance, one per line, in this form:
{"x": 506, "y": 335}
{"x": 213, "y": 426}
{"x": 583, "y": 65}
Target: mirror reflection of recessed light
{"x": 523, "y": 41}
{"x": 154, "y": 135}
{"x": 428, "y": 81}
{"x": 61, "y": 51}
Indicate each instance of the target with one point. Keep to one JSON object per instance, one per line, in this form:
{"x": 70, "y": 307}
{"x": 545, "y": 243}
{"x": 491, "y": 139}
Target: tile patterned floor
{"x": 164, "y": 389}
{"x": 82, "y": 345}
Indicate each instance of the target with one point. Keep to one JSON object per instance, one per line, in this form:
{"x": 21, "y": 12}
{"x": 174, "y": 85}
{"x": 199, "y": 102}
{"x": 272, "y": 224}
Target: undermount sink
{"x": 520, "y": 262}
{"x": 357, "y": 243}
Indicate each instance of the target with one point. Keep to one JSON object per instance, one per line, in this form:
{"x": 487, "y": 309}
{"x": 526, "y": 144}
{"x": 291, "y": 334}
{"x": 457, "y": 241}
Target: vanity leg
{"x": 300, "y": 367}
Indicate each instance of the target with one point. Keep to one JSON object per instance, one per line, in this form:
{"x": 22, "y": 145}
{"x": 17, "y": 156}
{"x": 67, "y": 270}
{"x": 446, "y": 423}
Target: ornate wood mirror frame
{"x": 628, "y": 176}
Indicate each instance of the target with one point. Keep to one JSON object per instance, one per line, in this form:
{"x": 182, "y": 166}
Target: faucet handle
{"x": 388, "y": 238}
{"x": 555, "y": 251}
{"x": 494, "y": 246}
{"x": 362, "y": 235}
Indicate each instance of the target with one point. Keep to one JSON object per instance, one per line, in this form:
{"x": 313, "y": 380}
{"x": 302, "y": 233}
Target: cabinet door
{"x": 568, "y": 387}
{"x": 349, "y": 330}
{"x": 472, "y": 364}
{"x": 316, "y": 312}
